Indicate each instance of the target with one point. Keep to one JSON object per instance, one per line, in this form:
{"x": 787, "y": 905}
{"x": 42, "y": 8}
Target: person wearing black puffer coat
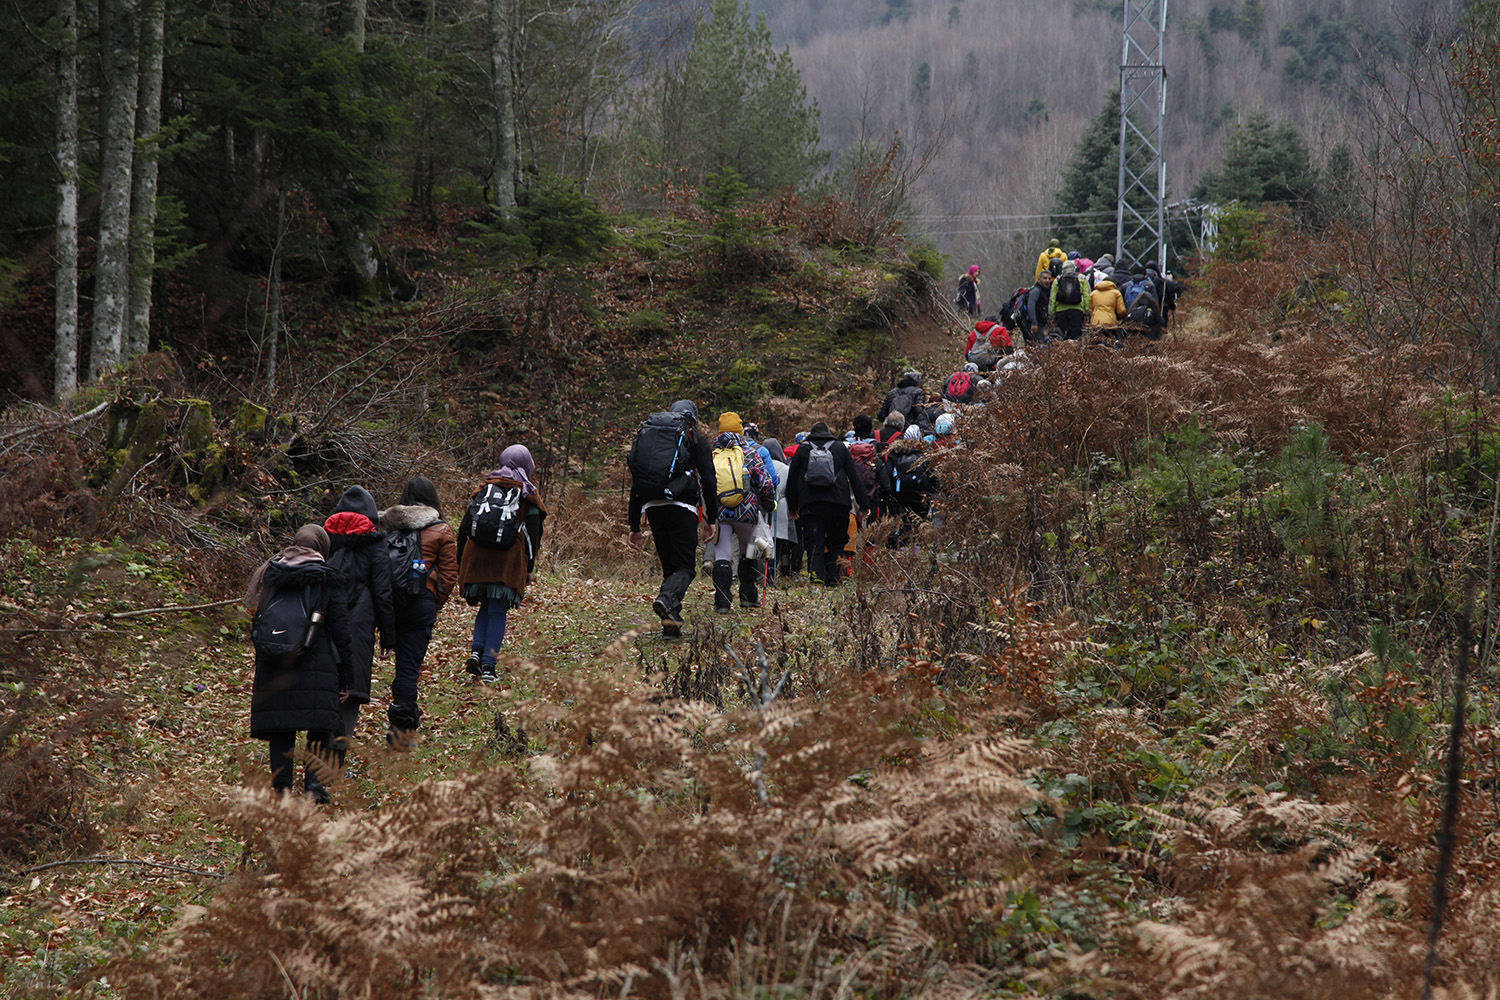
{"x": 358, "y": 551}
{"x": 823, "y": 510}
{"x": 304, "y": 695}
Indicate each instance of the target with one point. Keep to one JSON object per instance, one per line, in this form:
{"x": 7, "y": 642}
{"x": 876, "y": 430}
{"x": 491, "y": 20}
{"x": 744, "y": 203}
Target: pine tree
{"x": 732, "y": 101}
{"x": 1266, "y": 162}
{"x": 1083, "y": 210}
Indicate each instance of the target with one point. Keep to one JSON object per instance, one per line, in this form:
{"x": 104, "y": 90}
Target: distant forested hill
{"x": 1001, "y": 91}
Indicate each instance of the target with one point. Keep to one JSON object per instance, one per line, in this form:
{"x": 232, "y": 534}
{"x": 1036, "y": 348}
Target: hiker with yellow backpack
{"x": 745, "y": 487}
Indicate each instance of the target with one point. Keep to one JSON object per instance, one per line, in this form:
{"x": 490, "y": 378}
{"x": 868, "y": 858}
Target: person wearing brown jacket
{"x": 419, "y": 510}
{"x": 493, "y": 571}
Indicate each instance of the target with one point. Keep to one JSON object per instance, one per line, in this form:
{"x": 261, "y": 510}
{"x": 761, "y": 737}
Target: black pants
{"x": 825, "y": 528}
{"x": 675, "y": 530}
{"x": 413, "y": 635}
{"x": 280, "y": 747}
{"x": 1070, "y": 323}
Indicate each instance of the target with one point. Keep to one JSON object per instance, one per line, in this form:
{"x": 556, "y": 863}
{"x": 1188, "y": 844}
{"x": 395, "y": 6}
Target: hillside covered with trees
{"x": 1186, "y": 689}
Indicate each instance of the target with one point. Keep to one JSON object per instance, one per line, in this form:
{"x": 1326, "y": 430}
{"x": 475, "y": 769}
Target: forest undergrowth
{"x": 1158, "y": 708}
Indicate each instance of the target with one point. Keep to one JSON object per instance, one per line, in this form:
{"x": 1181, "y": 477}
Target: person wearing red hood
{"x": 357, "y": 549}
{"x": 992, "y": 341}
{"x": 968, "y": 291}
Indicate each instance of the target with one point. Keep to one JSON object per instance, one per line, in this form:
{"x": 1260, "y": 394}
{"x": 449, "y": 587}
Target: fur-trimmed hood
{"x": 406, "y": 517}
{"x": 905, "y": 446}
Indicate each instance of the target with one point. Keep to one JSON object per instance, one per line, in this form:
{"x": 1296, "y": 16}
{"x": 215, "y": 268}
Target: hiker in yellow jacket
{"x": 1054, "y": 249}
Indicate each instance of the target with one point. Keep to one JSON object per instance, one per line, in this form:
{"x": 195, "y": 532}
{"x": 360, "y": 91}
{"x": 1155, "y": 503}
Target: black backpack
{"x": 495, "y": 516}
{"x": 1069, "y": 290}
{"x": 409, "y": 569}
{"x": 820, "y": 467}
{"x": 905, "y": 475}
{"x": 904, "y": 400}
{"x": 1055, "y": 265}
{"x": 1144, "y": 310}
{"x": 283, "y": 623}
{"x": 661, "y": 459}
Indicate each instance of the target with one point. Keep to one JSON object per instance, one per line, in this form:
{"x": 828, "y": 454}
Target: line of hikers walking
{"x": 367, "y": 579}
{"x": 1070, "y": 297}
{"x": 774, "y": 504}
{"x": 319, "y": 605}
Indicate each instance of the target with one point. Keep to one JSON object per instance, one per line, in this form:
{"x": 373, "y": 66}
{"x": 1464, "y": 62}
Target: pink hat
{"x": 973, "y": 269}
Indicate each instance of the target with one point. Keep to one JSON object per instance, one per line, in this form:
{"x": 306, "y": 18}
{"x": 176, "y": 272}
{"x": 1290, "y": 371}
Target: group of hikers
{"x": 319, "y": 605}
{"x": 1070, "y": 296}
{"x": 740, "y": 493}
{"x": 365, "y": 577}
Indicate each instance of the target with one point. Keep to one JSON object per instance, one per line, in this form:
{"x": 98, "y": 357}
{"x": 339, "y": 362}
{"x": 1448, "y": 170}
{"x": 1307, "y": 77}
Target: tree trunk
{"x": 353, "y": 26}
{"x": 275, "y": 310}
{"x": 360, "y": 251}
{"x": 143, "y": 178}
{"x": 504, "y": 169}
{"x": 65, "y": 322}
{"x": 117, "y": 139}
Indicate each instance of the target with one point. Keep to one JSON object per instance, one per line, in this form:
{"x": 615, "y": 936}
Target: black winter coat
{"x": 800, "y": 493}
{"x": 363, "y": 561}
{"x": 305, "y": 695}
{"x": 907, "y": 397}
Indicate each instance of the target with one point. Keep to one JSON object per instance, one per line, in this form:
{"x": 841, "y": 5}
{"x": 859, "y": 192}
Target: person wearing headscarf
{"x": 358, "y": 550}
{"x": 493, "y": 579}
{"x": 419, "y": 511}
{"x": 968, "y": 291}
{"x": 302, "y": 694}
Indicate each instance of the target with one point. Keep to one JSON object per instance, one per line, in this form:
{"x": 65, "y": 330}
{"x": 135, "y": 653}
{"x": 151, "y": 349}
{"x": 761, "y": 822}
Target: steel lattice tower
{"x": 1140, "y": 222}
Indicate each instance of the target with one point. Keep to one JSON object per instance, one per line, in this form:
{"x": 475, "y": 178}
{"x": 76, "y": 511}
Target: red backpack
{"x": 960, "y": 387}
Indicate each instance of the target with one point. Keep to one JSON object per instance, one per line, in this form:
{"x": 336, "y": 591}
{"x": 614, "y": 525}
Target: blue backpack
{"x": 1132, "y": 290}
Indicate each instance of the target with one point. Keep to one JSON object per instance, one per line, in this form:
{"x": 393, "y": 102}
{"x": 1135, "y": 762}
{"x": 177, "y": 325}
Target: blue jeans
{"x": 489, "y": 630}
{"x": 413, "y": 633}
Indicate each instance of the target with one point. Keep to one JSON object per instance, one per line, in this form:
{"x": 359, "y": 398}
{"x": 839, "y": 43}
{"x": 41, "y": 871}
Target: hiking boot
{"x": 317, "y": 790}
{"x": 660, "y": 607}
{"x": 671, "y": 628}
{"x": 474, "y": 663}
{"x": 723, "y": 582}
{"x": 749, "y": 604}
{"x": 487, "y": 675}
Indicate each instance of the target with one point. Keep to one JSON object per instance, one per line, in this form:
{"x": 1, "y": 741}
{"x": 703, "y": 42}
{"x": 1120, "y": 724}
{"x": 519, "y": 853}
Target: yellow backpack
{"x": 729, "y": 474}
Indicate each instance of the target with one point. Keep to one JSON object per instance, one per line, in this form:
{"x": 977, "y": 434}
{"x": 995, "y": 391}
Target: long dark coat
{"x": 363, "y": 561}
{"x": 305, "y": 695}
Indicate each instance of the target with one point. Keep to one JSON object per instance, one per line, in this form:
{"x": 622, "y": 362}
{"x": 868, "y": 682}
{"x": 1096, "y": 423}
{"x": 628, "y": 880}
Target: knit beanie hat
{"x": 1054, "y": 245}
{"x": 729, "y": 423}
{"x": 973, "y": 270}
{"x": 358, "y": 500}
